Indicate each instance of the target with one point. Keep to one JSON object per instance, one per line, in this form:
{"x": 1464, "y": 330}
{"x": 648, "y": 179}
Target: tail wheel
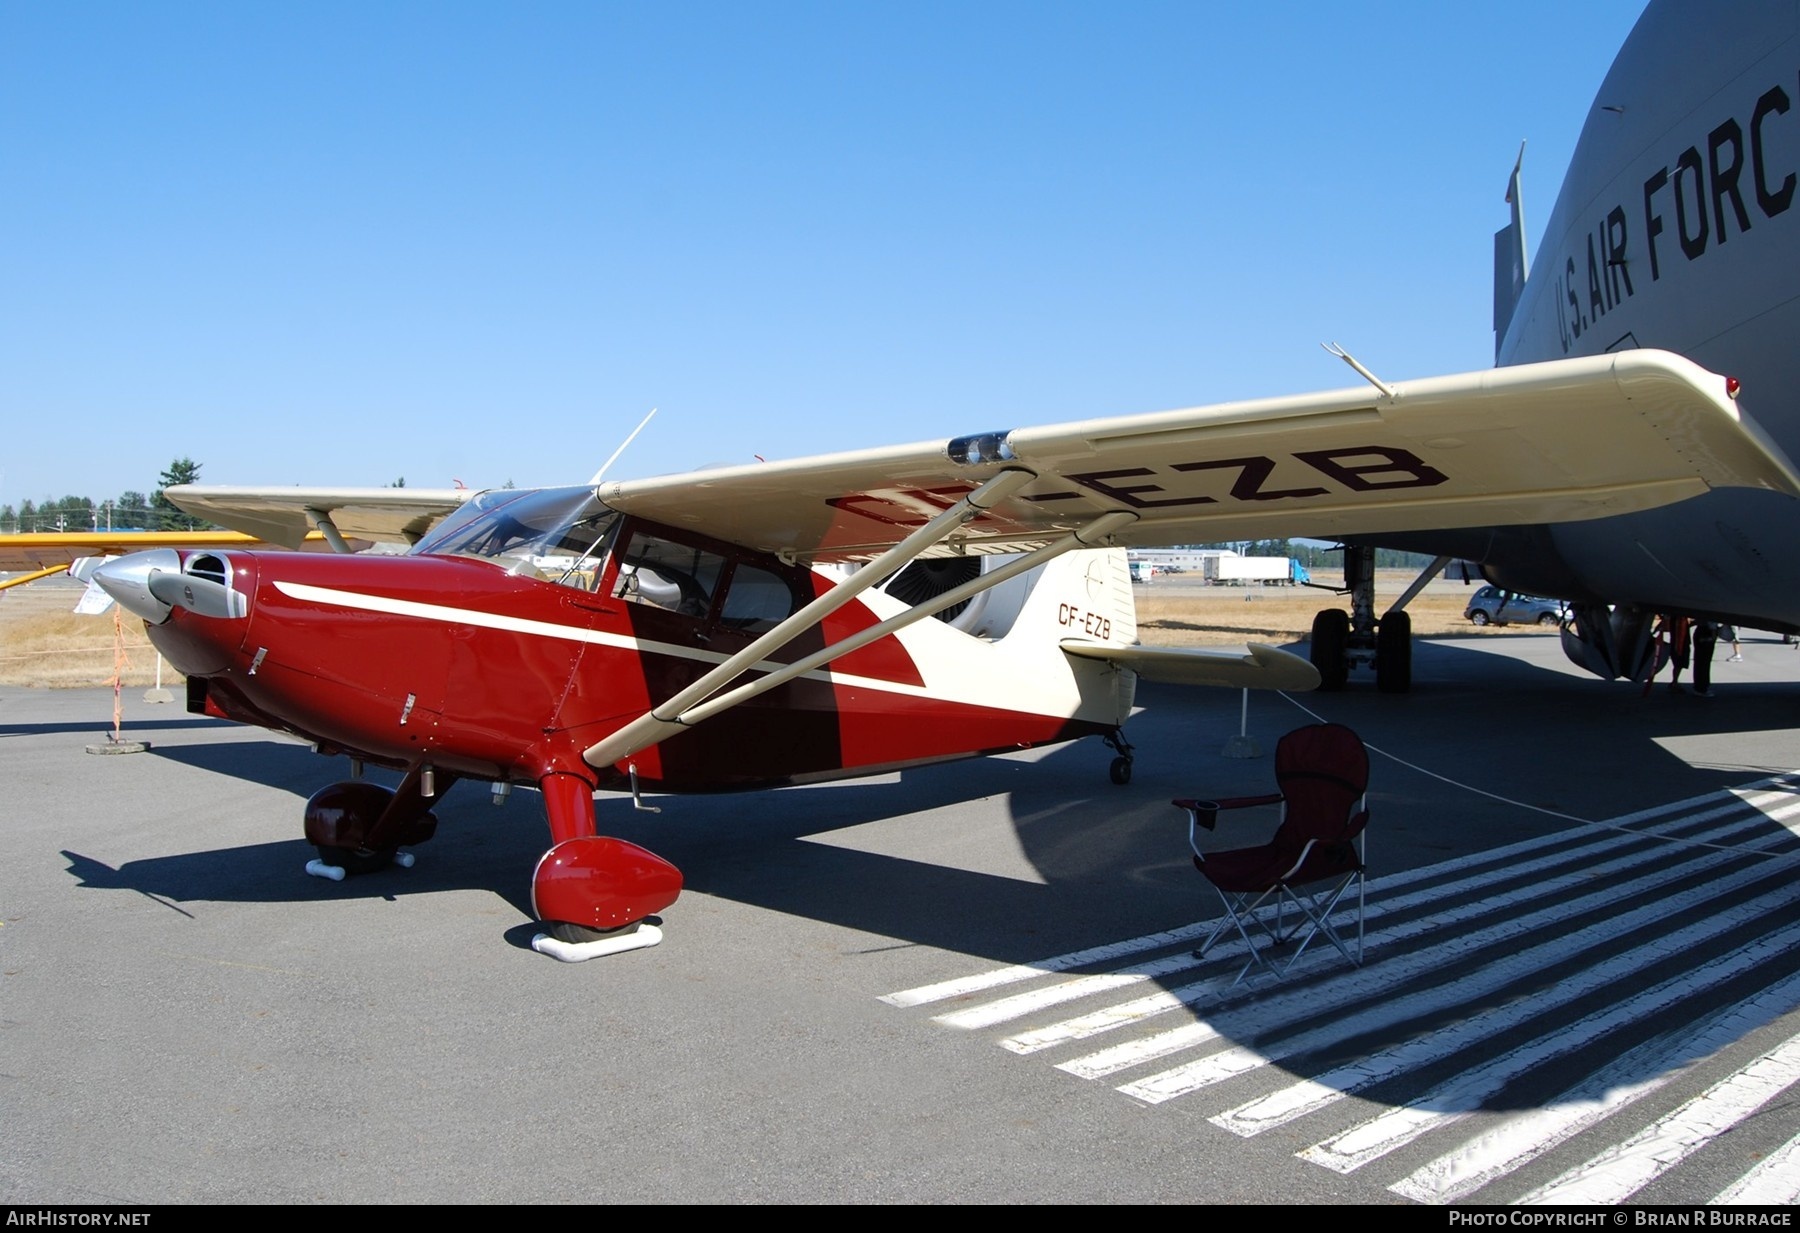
{"x": 1329, "y": 648}
{"x": 1393, "y": 653}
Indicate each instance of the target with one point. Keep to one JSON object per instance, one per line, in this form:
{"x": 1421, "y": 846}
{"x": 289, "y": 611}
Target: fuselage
{"x": 494, "y": 658}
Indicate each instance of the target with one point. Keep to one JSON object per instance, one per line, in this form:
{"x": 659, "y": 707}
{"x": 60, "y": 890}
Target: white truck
{"x": 1279, "y": 571}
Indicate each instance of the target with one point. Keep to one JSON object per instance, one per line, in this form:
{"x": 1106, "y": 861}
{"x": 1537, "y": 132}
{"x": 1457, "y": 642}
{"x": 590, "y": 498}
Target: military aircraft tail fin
{"x": 1511, "y": 264}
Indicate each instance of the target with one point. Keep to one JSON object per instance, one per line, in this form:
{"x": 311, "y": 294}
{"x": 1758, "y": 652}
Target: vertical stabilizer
{"x": 1511, "y": 265}
{"x": 1084, "y": 595}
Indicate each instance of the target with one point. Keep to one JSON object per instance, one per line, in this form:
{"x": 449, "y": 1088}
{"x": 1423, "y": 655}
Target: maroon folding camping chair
{"x": 1285, "y": 891}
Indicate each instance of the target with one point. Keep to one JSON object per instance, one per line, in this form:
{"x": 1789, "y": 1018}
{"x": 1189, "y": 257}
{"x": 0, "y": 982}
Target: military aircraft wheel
{"x": 1329, "y": 648}
{"x": 1393, "y": 653}
{"x": 1120, "y": 770}
{"x": 356, "y": 860}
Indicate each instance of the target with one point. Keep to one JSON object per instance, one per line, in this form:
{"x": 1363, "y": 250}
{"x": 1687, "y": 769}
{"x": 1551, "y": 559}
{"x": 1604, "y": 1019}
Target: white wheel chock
{"x": 576, "y": 952}
{"x": 319, "y": 869}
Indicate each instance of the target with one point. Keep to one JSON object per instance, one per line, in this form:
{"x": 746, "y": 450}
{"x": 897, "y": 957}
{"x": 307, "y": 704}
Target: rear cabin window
{"x": 757, "y": 600}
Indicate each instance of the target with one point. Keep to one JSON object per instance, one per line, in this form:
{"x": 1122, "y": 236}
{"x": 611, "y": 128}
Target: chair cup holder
{"x": 1206, "y": 813}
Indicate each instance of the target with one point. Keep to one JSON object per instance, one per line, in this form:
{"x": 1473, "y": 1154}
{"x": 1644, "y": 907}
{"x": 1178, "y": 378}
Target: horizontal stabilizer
{"x": 1256, "y": 667}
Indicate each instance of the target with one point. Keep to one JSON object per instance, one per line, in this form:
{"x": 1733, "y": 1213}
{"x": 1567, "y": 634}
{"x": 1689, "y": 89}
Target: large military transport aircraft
{"x": 1676, "y": 229}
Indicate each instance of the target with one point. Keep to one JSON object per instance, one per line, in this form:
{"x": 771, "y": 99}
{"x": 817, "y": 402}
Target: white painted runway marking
{"x": 1496, "y": 967}
{"x": 1622, "y": 1171}
{"x": 1523, "y": 1138}
{"x": 1774, "y": 1182}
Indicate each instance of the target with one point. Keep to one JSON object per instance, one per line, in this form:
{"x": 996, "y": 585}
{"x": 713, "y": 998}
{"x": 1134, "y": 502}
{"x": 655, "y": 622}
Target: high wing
{"x": 286, "y": 516}
{"x": 1552, "y": 442}
{"x": 1558, "y": 441}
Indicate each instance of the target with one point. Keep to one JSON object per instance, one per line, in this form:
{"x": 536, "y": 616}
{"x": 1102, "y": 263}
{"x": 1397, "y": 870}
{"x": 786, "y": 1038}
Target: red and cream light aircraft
{"x": 772, "y": 624}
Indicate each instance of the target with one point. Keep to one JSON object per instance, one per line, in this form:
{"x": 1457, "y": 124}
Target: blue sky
{"x": 327, "y": 244}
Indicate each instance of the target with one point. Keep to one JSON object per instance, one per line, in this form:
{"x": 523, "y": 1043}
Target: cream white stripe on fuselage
{"x": 549, "y": 629}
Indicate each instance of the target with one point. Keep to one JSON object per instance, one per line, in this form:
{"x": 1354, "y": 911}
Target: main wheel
{"x": 1329, "y": 648}
{"x": 1478, "y": 617}
{"x": 1393, "y": 653}
{"x": 575, "y": 935}
{"x": 340, "y": 816}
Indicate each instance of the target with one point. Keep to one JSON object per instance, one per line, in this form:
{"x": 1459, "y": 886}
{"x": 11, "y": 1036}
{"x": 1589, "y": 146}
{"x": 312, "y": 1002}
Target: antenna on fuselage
{"x": 601, "y": 473}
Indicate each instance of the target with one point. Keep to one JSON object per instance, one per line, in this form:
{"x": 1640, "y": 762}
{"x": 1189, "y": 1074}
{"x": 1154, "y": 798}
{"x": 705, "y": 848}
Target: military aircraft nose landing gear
{"x": 1345, "y": 640}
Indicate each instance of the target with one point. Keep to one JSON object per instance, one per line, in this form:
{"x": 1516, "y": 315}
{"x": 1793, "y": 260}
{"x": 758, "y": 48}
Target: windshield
{"x": 560, "y": 534}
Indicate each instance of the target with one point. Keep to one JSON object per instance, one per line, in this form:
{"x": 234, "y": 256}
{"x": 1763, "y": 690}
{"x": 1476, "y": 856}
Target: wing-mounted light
{"x": 979, "y": 448}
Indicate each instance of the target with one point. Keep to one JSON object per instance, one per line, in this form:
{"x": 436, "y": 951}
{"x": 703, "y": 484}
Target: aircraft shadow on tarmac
{"x": 1111, "y": 862}
{"x": 99, "y": 730}
{"x": 1085, "y": 838}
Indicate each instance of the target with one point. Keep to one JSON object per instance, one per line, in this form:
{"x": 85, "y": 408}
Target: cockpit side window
{"x": 668, "y": 575}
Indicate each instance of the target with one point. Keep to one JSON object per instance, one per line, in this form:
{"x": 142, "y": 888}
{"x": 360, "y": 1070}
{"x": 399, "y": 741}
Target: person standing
{"x": 1728, "y": 633}
{"x": 1706, "y": 641}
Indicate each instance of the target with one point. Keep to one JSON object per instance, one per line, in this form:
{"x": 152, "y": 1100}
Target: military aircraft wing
{"x": 286, "y": 516}
{"x": 1551, "y": 442}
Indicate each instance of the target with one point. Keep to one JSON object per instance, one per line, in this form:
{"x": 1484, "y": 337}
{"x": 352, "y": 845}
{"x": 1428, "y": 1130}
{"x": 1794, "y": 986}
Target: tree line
{"x": 129, "y": 511}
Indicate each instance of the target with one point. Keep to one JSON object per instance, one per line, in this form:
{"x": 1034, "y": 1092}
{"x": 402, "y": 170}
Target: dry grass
{"x": 45, "y": 645}
{"x": 1175, "y": 612}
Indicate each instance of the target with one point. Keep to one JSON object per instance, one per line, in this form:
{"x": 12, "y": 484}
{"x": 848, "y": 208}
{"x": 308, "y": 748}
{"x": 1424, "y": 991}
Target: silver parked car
{"x": 1486, "y": 608}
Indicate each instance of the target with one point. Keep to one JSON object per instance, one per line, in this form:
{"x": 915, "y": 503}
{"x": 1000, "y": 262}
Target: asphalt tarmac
{"x": 189, "y": 1018}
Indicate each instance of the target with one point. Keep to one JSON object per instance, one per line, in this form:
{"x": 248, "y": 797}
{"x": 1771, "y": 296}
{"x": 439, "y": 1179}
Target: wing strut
{"x": 670, "y": 717}
{"x": 322, "y": 523}
{"x": 21, "y": 579}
